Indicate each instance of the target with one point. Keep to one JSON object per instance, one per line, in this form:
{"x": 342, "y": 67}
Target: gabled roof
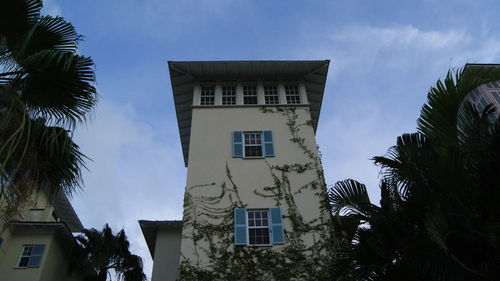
{"x": 184, "y": 74}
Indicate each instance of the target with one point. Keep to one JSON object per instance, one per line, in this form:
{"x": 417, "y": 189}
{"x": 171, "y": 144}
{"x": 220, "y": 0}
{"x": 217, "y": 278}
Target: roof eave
{"x": 150, "y": 230}
{"x": 183, "y": 75}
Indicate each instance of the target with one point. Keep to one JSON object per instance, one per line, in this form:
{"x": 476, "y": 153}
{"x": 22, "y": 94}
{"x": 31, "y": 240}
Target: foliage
{"x": 208, "y": 222}
{"x": 439, "y": 217}
{"x": 106, "y": 252}
{"x": 46, "y": 88}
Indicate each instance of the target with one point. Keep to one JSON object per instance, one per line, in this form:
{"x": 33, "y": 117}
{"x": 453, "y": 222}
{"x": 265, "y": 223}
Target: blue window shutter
{"x": 237, "y": 144}
{"x": 278, "y": 235}
{"x": 268, "y": 144}
{"x": 240, "y": 226}
{"x": 36, "y": 255}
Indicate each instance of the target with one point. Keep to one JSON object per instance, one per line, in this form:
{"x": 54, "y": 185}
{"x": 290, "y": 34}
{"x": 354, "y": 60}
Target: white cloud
{"x": 406, "y": 36}
{"x": 378, "y": 81}
{"x": 51, "y": 8}
{"x": 135, "y": 173}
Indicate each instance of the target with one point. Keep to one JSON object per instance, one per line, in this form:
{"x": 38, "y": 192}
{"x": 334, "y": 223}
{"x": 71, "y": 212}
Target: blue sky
{"x": 384, "y": 57}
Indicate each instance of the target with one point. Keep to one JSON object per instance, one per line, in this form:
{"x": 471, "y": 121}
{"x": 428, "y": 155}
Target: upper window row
{"x": 250, "y": 96}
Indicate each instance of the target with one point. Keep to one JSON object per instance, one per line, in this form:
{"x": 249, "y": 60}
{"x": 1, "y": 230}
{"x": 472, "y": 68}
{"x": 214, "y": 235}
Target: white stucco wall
{"x": 167, "y": 251}
{"x": 53, "y": 265}
{"x": 211, "y": 149}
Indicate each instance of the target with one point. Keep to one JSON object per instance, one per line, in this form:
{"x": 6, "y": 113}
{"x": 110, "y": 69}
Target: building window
{"x": 475, "y": 94}
{"x": 496, "y": 96}
{"x": 31, "y": 255}
{"x": 207, "y": 96}
{"x": 258, "y": 227}
{"x": 249, "y": 94}
{"x": 228, "y": 95}
{"x": 292, "y": 94}
{"x": 253, "y": 144}
{"x": 493, "y": 85}
{"x": 35, "y": 215}
{"x": 271, "y": 94}
{"x": 481, "y": 104}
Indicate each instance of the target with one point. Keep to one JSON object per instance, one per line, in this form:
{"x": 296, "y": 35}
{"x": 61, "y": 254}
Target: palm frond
{"x": 48, "y": 33}
{"x": 349, "y": 197}
{"x": 17, "y": 15}
{"x": 58, "y": 86}
{"x": 438, "y": 117}
{"x": 107, "y": 251}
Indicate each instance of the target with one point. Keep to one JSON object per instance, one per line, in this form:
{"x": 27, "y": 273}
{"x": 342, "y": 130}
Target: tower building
{"x": 255, "y": 205}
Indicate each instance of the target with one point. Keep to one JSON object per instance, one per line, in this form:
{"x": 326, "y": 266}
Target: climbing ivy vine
{"x": 216, "y": 257}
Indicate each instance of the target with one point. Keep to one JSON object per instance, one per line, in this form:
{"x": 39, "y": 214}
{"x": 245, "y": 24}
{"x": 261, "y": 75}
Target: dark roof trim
{"x": 64, "y": 210}
{"x": 150, "y": 230}
{"x": 184, "y": 74}
{"x": 61, "y": 228}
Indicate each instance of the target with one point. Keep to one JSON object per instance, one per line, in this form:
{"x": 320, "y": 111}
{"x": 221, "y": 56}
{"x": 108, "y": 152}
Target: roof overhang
{"x": 184, "y": 75}
{"x": 59, "y": 229}
{"x": 150, "y": 230}
{"x": 480, "y": 65}
{"x": 66, "y": 213}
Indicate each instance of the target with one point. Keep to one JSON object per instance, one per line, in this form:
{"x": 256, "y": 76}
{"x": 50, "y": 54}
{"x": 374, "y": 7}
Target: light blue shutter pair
{"x": 36, "y": 255}
{"x": 240, "y": 226}
{"x": 267, "y": 144}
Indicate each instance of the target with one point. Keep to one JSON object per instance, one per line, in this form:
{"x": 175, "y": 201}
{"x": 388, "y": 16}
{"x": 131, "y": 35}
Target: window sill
{"x": 256, "y": 157}
{"x": 250, "y": 105}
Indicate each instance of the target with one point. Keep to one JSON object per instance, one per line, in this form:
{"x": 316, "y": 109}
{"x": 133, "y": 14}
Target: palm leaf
{"x": 48, "y": 33}
{"x": 58, "y": 86}
{"x": 17, "y": 15}
{"x": 349, "y": 197}
{"x": 438, "y": 117}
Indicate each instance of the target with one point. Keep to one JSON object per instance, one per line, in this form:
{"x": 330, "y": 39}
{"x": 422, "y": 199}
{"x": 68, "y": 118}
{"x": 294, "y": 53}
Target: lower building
{"x": 36, "y": 244}
{"x": 164, "y": 243}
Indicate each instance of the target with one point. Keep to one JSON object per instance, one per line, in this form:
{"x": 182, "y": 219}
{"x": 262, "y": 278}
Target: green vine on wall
{"x": 216, "y": 257}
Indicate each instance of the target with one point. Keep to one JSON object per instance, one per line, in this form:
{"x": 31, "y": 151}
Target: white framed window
{"x": 292, "y": 94}
{"x": 250, "y": 94}
{"x": 258, "y": 227}
{"x": 207, "y": 95}
{"x": 31, "y": 255}
{"x": 228, "y": 95}
{"x": 481, "y": 104}
{"x": 496, "y": 96}
{"x": 271, "y": 94}
{"x": 252, "y": 144}
{"x": 493, "y": 85}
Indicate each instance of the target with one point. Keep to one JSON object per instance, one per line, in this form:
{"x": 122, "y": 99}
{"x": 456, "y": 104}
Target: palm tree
{"x": 439, "y": 216}
{"x": 46, "y": 88}
{"x": 107, "y": 252}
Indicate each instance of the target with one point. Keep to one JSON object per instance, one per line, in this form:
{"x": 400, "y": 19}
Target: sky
{"x": 385, "y": 55}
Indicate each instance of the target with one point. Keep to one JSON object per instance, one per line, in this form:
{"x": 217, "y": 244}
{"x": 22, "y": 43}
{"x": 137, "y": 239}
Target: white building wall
{"x": 211, "y": 150}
